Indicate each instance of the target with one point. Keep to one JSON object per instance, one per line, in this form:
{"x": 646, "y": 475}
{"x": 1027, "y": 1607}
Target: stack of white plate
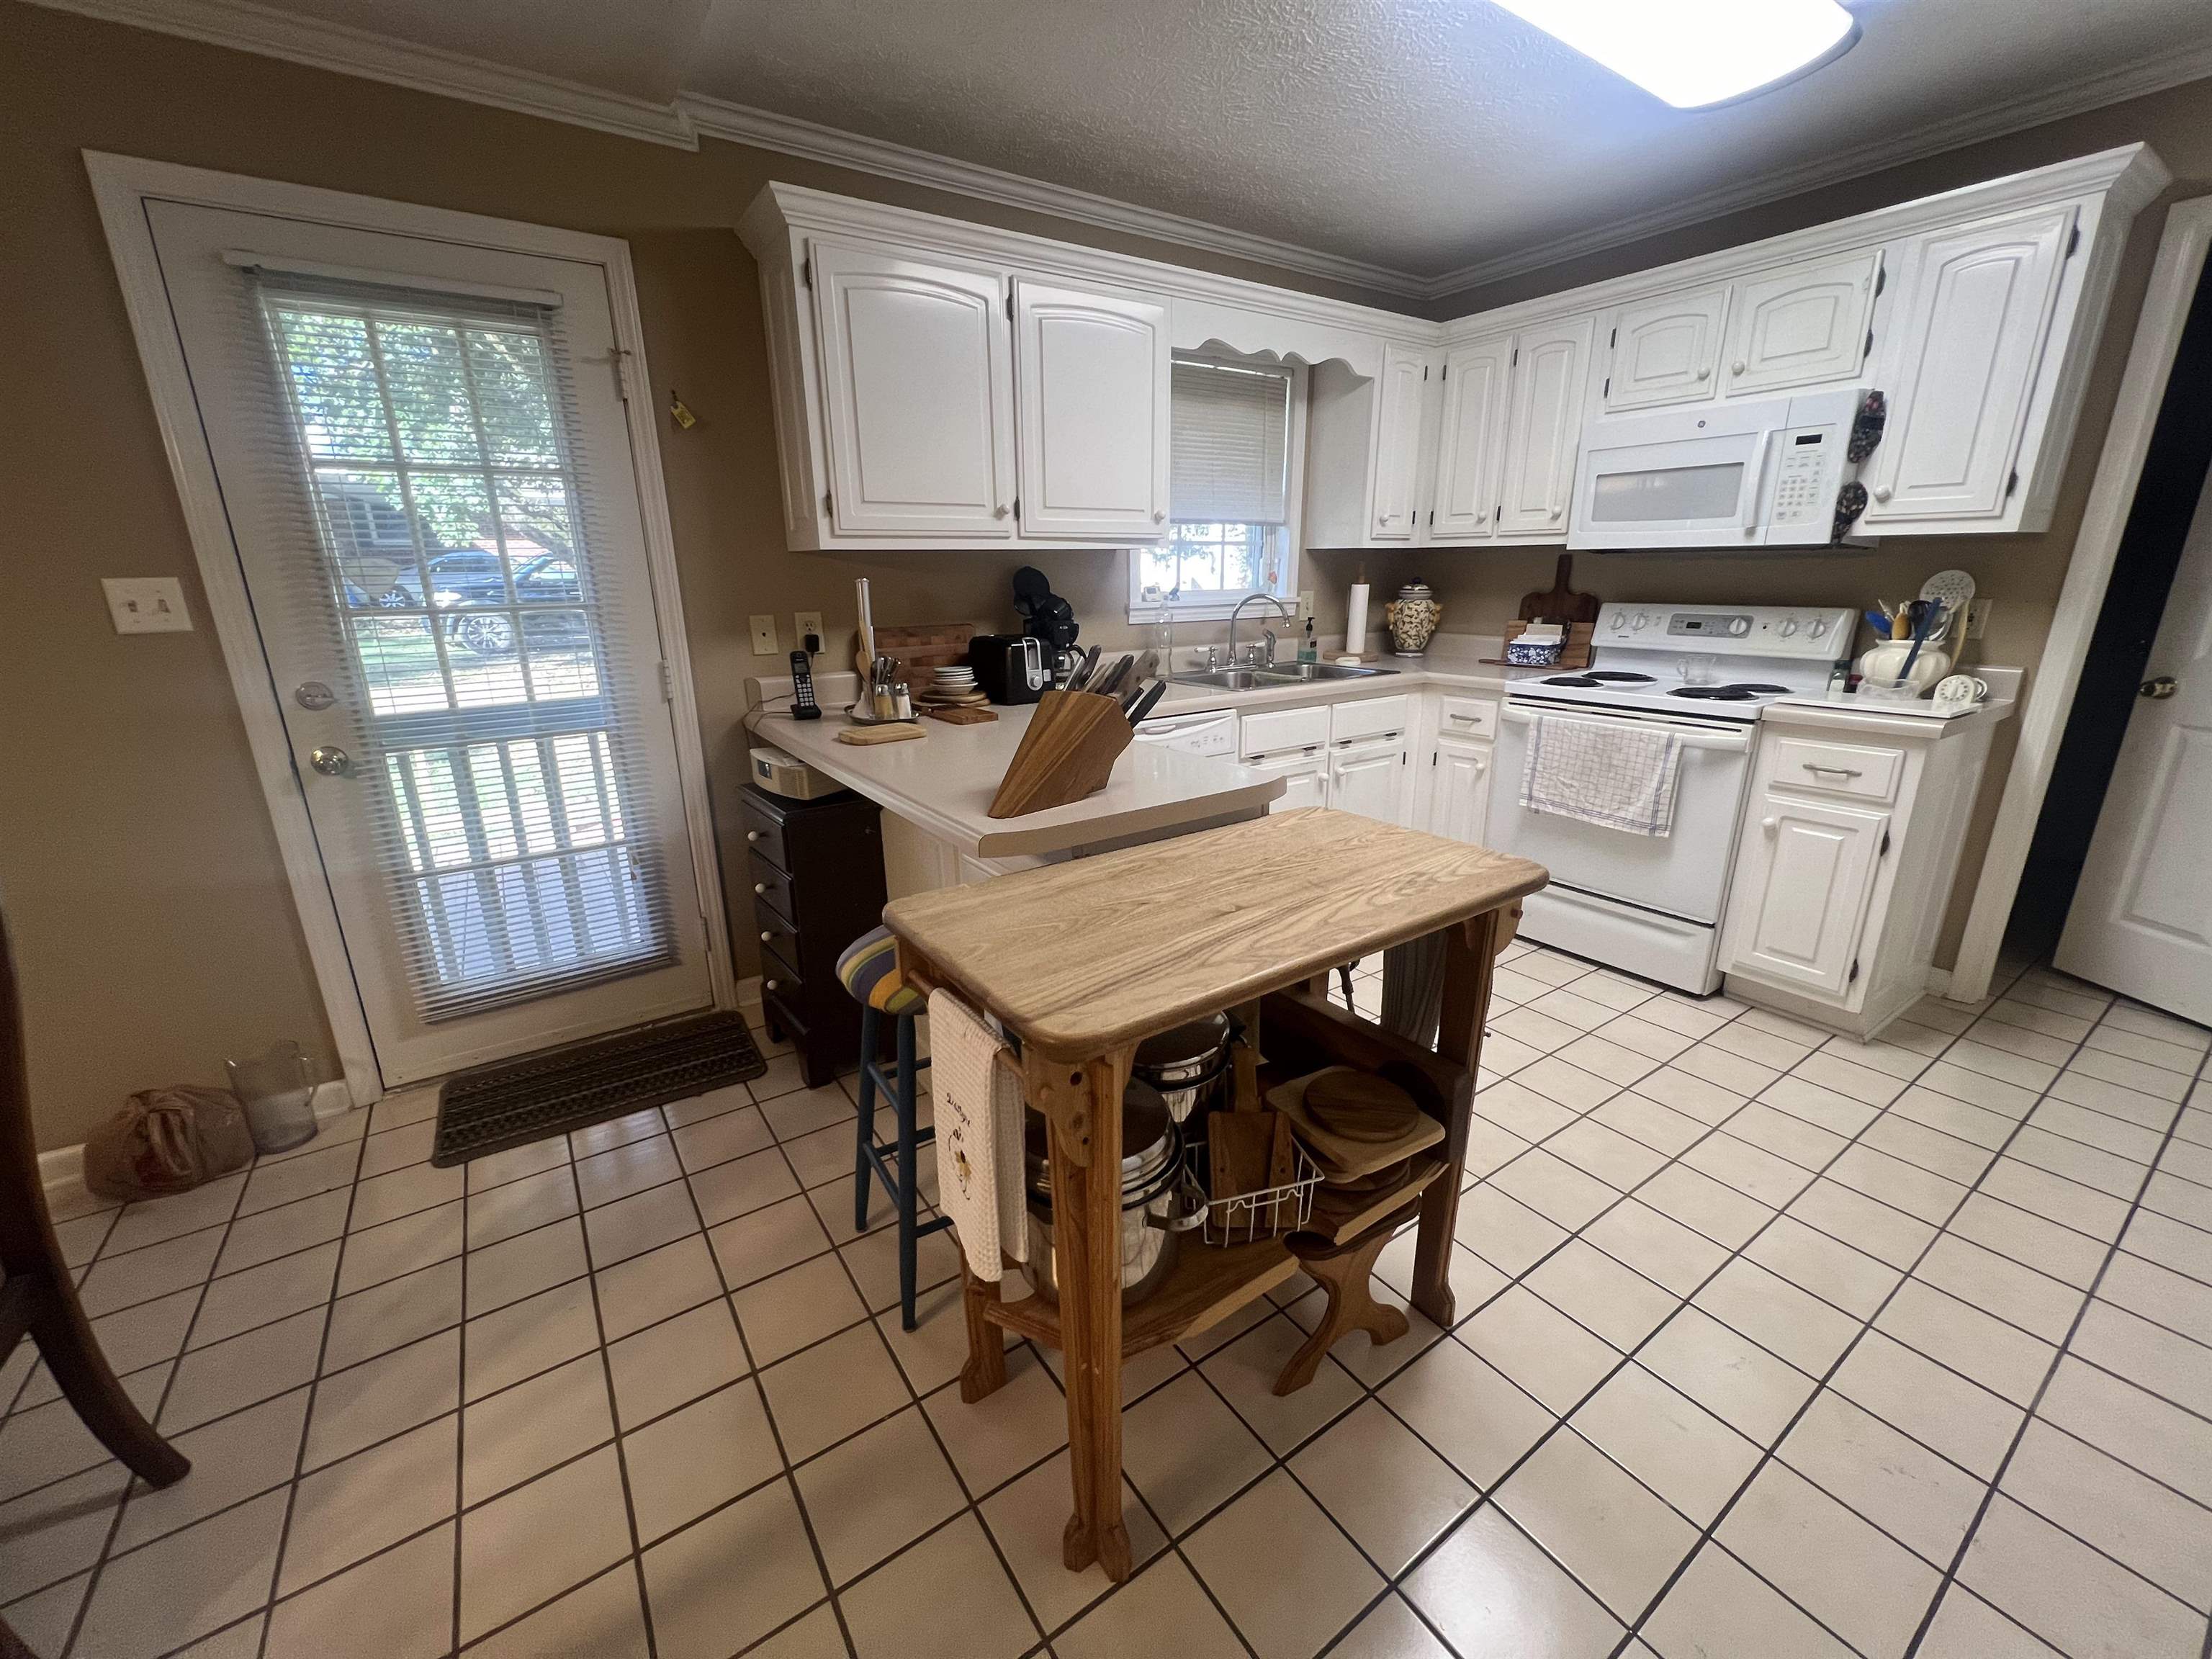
{"x": 951, "y": 687}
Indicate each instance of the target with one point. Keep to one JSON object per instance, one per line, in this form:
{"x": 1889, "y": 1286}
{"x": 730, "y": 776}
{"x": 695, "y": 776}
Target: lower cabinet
{"x": 1804, "y": 879}
{"x": 1458, "y": 789}
{"x": 1370, "y": 776}
{"x": 1304, "y": 773}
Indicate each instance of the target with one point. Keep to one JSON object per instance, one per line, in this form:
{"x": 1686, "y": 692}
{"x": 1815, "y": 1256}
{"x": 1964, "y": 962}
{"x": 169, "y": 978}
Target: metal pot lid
{"x": 1191, "y": 1046}
{"x": 1150, "y": 1143}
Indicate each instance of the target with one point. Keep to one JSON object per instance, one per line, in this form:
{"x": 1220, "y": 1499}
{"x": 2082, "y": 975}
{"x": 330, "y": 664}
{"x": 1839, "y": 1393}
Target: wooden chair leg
{"x": 72, "y": 1353}
{"x": 1345, "y": 1276}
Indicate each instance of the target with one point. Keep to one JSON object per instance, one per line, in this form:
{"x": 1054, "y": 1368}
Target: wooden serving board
{"x": 1337, "y": 1155}
{"x": 963, "y": 716}
{"x": 1561, "y": 604}
{"x": 866, "y": 736}
{"x": 922, "y": 646}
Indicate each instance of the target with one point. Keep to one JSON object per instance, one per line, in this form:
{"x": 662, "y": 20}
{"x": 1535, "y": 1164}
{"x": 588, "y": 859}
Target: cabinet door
{"x": 1395, "y": 467}
{"x": 1544, "y": 428}
{"x": 1803, "y": 885}
{"x": 917, "y": 394}
{"x": 1305, "y": 777}
{"x": 1664, "y": 351}
{"x": 1802, "y": 325}
{"x": 1370, "y": 779}
{"x": 1459, "y": 792}
{"x": 1090, "y": 398}
{"x": 1472, "y": 445}
{"x": 1976, "y": 313}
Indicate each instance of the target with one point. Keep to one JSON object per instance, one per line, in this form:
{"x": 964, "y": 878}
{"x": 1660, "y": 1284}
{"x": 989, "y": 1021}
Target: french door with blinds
{"x": 424, "y": 460}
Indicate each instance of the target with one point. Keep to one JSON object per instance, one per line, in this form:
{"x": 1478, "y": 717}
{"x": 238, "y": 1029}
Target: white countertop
{"x": 943, "y": 783}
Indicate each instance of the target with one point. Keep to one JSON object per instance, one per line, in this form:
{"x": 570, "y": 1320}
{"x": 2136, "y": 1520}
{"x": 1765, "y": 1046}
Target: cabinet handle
{"x": 1737, "y": 367}
{"x": 766, "y": 936}
{"x": 1467, "y": 719}
{"x": 1770, "y": 824}
{"x": 1158, "y": 517}
{"x": 770, "y": 984}
{"x": 752, "y": 835}
{"x": 1840, "y": 771}
{"x": 1707, "y": 374}
{"x": 760, "y": 887}
{"x": 1557, "y": 511}
{"x": 1000, "y": 511}
{"x": 1881, "y": 492}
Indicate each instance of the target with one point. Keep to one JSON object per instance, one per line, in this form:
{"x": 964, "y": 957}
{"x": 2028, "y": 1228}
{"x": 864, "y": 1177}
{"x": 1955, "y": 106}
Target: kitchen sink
{"x": 1282, "y": 673}
{"x": 1227, "y": 679}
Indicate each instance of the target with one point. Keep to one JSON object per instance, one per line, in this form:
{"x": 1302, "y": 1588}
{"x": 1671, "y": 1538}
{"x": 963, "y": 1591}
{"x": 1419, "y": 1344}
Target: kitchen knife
{"x": 1112, "y": 683}
{"x": 1145, "y": 703}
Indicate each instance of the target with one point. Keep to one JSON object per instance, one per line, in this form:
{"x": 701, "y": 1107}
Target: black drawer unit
{"x": 816, "y": 872}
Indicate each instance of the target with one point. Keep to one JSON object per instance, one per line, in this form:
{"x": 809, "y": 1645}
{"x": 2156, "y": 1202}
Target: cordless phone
{"x": 803, "y": 706}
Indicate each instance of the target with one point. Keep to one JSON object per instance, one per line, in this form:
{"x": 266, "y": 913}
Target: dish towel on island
{"x": 1621, "y": 777}
{"x": 978, "y": 1113}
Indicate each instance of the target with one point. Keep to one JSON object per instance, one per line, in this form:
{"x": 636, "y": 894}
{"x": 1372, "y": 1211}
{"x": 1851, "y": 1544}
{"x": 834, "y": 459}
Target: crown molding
{"x": 339, "y": 48}
{"x": 2137, "y": 80}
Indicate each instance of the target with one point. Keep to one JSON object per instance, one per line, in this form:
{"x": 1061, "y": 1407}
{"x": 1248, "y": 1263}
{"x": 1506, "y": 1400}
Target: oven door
{"x": 1673, "y": 481}
{"x": 1684, "y": 874}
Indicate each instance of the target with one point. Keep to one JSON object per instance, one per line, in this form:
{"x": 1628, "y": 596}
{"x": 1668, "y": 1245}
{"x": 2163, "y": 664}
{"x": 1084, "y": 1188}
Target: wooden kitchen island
{"x": 1082, "y": 961}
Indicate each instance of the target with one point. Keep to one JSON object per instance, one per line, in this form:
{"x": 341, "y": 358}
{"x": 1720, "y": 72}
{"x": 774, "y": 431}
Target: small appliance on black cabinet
{"x": 816, "y": 871}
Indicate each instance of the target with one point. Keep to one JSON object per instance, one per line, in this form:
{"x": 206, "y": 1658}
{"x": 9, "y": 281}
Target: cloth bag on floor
{"x": 167, "y": 1140}
{"x": 976, "y": 1105}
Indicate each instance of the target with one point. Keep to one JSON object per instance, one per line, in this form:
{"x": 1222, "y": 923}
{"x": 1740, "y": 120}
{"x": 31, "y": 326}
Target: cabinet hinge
{"x": 1612, "y": 339}
{"x": 1869, "y": 351}
{"x": 1516, "y": 363}
{"x": 1885, "y": 846}
{"x": 2073, "y": 241}
{"x": 1607, "y": 391}
{"x": 1017, "y": 509}
{"x": 1498, "y": 512}
{"x": 1424, "y": 371}
{"x": 1854, "y": 979}
{"x": 829, "y": 503}
{"x": 1010, "y": 308}
{"x": 1881, "y": 275}
{"x": 2012, "y": 483}
{"x": 806, "y": 273}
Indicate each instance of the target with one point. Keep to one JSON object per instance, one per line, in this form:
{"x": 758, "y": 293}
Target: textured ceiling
{"x": 1444, "y": 139}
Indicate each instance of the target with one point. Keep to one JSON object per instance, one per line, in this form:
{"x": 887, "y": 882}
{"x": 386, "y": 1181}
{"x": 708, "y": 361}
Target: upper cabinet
{"x": 1544, "y": 428}
{"x": 1397, "y": 463}
{"x": 1977, "y": 306}
{"x": 1802, "y": 324}
{"x": 1091, "y": 403}
{"x": 1470, "y": 441}
{"x": 1664, "y": 351}
{"x": 917, "y": 394}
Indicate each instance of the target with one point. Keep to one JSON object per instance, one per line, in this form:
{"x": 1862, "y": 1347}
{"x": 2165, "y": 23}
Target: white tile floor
{"x": 1771, "y": 1345}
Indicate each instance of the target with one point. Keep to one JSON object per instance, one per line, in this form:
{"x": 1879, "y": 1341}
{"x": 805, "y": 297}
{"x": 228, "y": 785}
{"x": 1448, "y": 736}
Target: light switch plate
{"x": 764, "y": 643}
{"x": 146, "y": 605}
{"x": 1305, "y": 602}
{"x": 1977, "y": 618}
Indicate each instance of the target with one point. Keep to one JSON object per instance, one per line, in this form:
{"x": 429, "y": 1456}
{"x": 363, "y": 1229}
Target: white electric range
{"x": 1652, "y": 905}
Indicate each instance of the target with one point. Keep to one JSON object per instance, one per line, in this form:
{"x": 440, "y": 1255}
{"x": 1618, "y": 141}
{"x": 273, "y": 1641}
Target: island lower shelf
{"x": 1208, "y": 1285}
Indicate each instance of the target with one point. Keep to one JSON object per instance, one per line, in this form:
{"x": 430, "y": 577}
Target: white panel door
{"x": 2141, "y": 917}
{"x": 1544, "y": 428}
{"x": 1472, "y": 446}
{"x": 1802, "y": 884}
{"x": 1664, "y": 351}
{"x": 1092, "y": 401}
{"x": 1459, "y": 790}
{"x": 1371, "y": 778}
{"x": 1305, "y": 778}
{"x": 1395, "y": 467}
{"x": 1976, "y": 312}
{"x": 917, "y": 392}
{"x": 1802, "y": 325}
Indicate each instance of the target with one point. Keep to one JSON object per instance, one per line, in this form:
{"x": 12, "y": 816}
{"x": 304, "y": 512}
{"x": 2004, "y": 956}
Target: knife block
{"x": 1068, "y": 753}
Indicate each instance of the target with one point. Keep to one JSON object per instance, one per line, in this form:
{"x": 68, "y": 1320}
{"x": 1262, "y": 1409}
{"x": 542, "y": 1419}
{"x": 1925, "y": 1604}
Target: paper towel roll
{"x": 1355, "y": 622}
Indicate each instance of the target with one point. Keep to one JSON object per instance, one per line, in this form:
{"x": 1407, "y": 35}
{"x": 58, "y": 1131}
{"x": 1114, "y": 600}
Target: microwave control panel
{"x": 1799, "y": 494}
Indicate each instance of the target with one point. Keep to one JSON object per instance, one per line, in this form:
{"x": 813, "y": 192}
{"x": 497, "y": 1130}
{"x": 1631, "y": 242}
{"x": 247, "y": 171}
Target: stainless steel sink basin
{"x": 1227, "y": 679}
{"x": 1282, "y": 673}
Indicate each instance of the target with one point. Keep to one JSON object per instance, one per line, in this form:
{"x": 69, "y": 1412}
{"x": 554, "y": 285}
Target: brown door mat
{"x": 512, "y": 1102}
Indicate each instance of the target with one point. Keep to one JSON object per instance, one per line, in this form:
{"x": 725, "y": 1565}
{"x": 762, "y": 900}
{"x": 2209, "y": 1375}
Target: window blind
{"x": 1230, "y": 444}
{"x": 444, "y": 551}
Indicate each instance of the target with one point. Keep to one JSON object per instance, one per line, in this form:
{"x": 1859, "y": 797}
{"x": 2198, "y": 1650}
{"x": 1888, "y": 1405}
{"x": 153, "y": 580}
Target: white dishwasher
{"x": 1211, "y": 732}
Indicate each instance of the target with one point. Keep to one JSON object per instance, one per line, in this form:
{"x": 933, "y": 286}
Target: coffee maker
{"x": 1049, "y": 619}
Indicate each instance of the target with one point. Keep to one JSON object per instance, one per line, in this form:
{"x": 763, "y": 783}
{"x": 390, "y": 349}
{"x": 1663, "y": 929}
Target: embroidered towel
{"x": 1619, "y": 775}
{"x": 978, "y": 1112}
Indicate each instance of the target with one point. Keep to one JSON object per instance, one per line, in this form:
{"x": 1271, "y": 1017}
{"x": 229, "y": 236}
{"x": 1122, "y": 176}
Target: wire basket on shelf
{"x": 1268, "y": 1212}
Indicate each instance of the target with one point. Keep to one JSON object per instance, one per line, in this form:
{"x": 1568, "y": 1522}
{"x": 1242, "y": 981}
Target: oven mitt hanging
{"x": 978, "y": 1115}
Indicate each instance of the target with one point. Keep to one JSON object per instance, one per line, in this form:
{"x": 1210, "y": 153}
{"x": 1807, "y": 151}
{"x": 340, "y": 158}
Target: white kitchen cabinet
{"x": 1804, "y": 879}
{"x": 1803, "y": 324}
{"x": 1975, "y": 313}
{"x": 1370, "y": 449}
{"x": 1471, "y": 439}
{"x": 1092, "y": 407}
{"x": 1458, "y": 789}
{"x": 1665, "y": 351}
{"x": 1397, "y": 462}
{"x": 1370, "y": 776}
{"x": 1304, "y": 773}
{"x": 1543, "y": 430}
{"x": 917, "y": 394}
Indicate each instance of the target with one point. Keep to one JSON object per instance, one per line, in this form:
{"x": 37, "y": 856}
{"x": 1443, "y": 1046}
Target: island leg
{"x": 985, "y": 1372}
{"x": 1470, "y": 952}
{"x": 1082, "y": 1101}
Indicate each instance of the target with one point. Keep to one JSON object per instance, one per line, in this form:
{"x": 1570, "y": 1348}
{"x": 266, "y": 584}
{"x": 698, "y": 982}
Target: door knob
{"x": 329, "y": 762}
{"x": 2159, "y": 689}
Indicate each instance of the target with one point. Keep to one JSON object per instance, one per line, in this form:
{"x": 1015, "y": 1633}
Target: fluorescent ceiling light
{"x": 1696, "y": 52}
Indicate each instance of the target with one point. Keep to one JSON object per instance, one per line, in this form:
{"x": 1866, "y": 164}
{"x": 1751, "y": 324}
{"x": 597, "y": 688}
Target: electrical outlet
{"x": 1977, "y": 618}
{"x": 1305, "y": 602}
{"x": 764, "y": 643}
{"x": 804, "y": 622}
{"x": 146, "y": 605}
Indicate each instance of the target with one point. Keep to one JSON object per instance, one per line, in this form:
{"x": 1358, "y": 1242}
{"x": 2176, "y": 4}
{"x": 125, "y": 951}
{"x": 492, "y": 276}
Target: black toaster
{"x": 1010, "y": 667}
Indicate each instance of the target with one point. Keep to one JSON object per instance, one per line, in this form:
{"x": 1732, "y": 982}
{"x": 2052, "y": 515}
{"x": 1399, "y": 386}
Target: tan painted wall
{"x": 136, "y": 862}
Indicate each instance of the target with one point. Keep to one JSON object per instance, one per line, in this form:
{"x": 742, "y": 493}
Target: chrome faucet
{"x": 1283, "y": 610}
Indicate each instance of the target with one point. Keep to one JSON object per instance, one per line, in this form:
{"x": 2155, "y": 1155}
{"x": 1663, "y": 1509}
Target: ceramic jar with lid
{"x": 1412, "y": 617}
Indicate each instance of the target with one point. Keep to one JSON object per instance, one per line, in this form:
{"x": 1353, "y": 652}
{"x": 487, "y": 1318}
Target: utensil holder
{"x": 1068, "y": 753}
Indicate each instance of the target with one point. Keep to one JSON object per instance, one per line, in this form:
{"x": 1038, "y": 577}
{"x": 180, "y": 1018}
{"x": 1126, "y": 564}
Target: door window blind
{"x": 445, "y": 550}
{"x": 1229, "y": 447}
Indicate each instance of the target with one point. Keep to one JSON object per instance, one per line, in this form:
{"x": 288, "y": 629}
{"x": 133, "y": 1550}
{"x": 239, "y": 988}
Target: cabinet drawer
{"x": 1283, "y": 728}
{"x": 1370, "y": 718}
{"x": 778, "y": 938}
{"x": 774, "y": 889}
{"x": 764, "y": 835}
{"x": 1467, "y": 717}
{"x": 1836, "y": 768}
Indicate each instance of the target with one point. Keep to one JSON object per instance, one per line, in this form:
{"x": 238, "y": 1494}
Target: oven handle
{"x": 1731, "y": 743}
{"x": 1752, "y": 525}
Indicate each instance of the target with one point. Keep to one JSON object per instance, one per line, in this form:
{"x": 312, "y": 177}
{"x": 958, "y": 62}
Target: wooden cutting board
{"x": 1561, "y": 604}
{"x": 963, "y": 716}
{"x": 1249, "y": 1152}
{"x": 1340, "y": 1157}
{"x": 865, "y": 736}
{"x": 921, "y": 647}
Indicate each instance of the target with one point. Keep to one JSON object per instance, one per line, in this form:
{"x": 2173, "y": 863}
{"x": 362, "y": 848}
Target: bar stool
{"x": 869, "y": 970}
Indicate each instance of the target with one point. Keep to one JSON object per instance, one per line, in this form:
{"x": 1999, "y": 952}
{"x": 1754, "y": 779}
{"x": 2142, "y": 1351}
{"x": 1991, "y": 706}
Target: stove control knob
{"x": 1740, "y": 625}
{"x": 1789, "y": 627}
{"x": 1617, "y": 620}
{"x": 1820, "y": 626}
{"x": 1640, "y": 623}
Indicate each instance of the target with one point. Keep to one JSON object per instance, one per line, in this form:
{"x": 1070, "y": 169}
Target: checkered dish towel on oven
{"x": 976, "y": 1105}
{"x": 1621, "y": 777}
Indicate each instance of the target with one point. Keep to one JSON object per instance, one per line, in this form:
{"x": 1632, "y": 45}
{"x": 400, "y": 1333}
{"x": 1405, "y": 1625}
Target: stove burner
{"x": 1764, "y": 689}
{"x": 1619, "y": 679}
{"x": 1714, "y": 693}
{"x": 1572, "y": 679}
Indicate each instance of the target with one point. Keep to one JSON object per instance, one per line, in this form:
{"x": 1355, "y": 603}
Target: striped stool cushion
{"x": 869, "y": 969}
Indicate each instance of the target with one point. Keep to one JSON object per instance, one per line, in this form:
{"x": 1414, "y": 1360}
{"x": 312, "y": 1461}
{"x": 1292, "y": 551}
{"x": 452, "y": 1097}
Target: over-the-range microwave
{"x": 1760, "y": 473}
